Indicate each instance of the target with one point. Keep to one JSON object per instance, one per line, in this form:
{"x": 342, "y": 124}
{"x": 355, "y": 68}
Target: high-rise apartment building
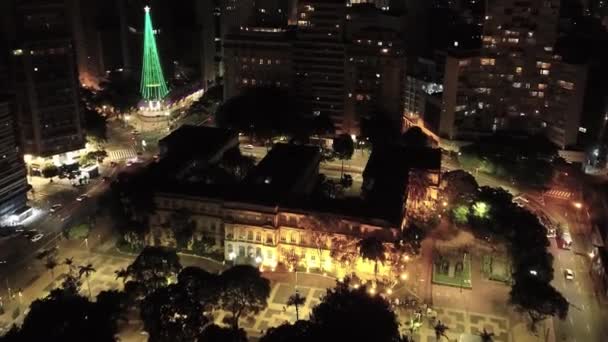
{"x": 44, "y": 76}
{"x": 343, "y": 62}
{"x": 319, "y": 59}
{"x": 13, "y": 181}
{"x": 516, "y": 82}
{"x": 374, "y": 77}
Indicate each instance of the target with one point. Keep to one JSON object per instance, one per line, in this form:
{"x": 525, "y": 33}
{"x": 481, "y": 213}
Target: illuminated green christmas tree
{"x": 153, "y": 85}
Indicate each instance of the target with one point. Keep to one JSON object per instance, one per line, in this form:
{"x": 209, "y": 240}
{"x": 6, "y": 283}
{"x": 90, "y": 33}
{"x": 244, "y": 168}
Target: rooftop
{"x": 196, "y": 141}
{"x": 286, "y": 169}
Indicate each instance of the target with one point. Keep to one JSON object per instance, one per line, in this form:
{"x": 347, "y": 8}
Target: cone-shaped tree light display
{"x": 153, "y": 85}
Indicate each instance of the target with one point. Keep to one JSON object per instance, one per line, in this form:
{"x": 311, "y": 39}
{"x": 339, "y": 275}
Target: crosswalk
{"x": 560, "y": 194}
{"x": 122, "y": 154}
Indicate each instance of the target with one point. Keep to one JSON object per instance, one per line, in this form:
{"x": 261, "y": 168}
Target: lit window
{"x": 517, "y": 85}
{"x": 261, "y": 61}
{"x": 544, "y": 72}
{"x": 542, "y": 86}
{"x": 582, "y": 129}
{"x": 17, "y": 52}
{"x": 518, "y": 70}
{"x": 566, "y": 85}
{"x": 488, "y": 61}
{"x": 269, "y": 62}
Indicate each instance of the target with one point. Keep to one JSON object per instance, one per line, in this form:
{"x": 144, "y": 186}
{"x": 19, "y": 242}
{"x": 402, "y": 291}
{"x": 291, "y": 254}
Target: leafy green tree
{"x": 372, "y": 249}
{"x": 154, "y": 267}
{"x": 201, "y": 285}
{"x": 64, "y": 316}
{"x": 95, "y": 124}
{"x": 300, "y": 331}
{"x": 354, "y": 316}
{"x": 182, "y": 226}
{"x": 411, "y": 240}
{"x": 120, "y": 90}
{"x": 261, "y": 112}
{"x": 538, "y": 299}
{"x": 460, "y": 187}
{"x": 50, "y": 171}
{"x": 79, "y": 232}
{"x": 344, "y": 148}
{"x": 215, "y": 333}
{"x": 244, "y": 291}
{"x": 296, "y": 300}
{"x": 170, "y": 314}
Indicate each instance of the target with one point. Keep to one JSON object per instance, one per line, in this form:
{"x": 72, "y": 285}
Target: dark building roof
{"x": 386, "y": 176}
{"x": 197, "y": 141}
{"x": 286, "y": 170}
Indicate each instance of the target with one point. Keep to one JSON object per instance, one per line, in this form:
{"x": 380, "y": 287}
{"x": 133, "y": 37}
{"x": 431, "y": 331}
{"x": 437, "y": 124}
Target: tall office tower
{"x": 13, "y": 181}
{"x": 45, "y": 79}
{"x": 319, "y": 59}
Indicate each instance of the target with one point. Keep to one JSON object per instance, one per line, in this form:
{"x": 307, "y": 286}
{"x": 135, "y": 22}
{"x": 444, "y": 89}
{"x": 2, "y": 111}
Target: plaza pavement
{"x": 461, "y": 310}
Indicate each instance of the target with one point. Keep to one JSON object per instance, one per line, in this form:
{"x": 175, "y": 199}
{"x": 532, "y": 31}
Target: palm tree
{"x": 50, "y": 265}
{"x": 372, "y": 249}
{"x": 296, "y": 300}
{"x": 486, "y": 336}
{"x": 122, "y": 273}
{"x": 440, "y": 330}
{"x": 86, "y": 270}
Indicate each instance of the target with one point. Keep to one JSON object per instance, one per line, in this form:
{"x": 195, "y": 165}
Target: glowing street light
{"x": 577, "y": 205}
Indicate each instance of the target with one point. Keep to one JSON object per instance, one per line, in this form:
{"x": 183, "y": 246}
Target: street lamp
{"x": 578, "y": 205}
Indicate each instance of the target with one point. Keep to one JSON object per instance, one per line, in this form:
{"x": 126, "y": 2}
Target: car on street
{"x": 565, "y": 240}
{"x": 37, "y": 237}
{"x": 56, "y": 207}
{"x": 82, "y": 197}
{"x": 568, "y": 274}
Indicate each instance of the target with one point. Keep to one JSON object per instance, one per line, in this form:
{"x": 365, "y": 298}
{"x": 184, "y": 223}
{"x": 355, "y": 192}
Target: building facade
{"x": 44, "y": 76}
{"x": 319, "y": 59}
{"x": 374, "y": 76}
{"x": 13, "y": 181}
{"x": 257, "y": 57}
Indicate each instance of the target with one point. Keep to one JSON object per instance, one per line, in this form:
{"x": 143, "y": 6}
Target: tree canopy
{"x": 538, "y": 299}
{"x": 65, "y": 316}
{"x": 153, "y": 268}
{"x": 244, "y": 291}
